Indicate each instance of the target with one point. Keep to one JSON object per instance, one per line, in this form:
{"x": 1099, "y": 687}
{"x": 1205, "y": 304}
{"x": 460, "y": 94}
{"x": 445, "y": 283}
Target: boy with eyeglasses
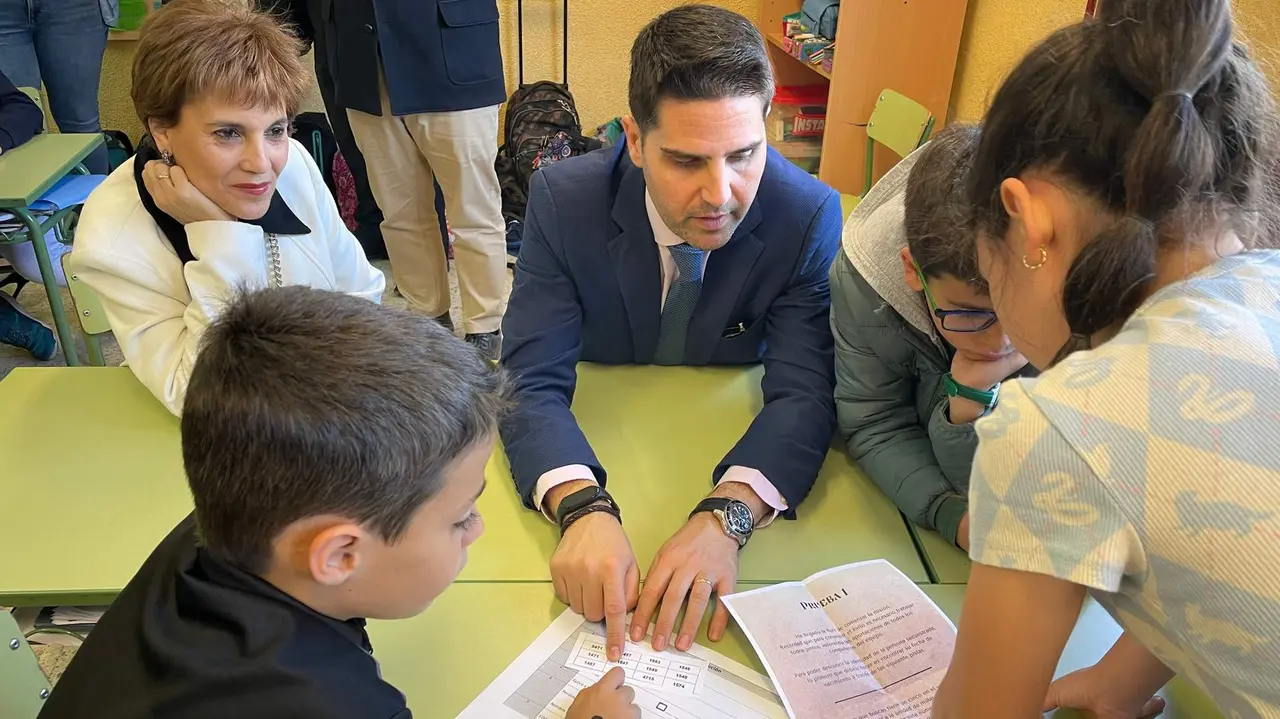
{"x": 919, "y": 352}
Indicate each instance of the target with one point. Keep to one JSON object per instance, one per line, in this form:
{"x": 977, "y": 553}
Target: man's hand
{"x": 177, "y": 197}
{"x": 980, "y": 375}
{"x": 595, "y": 571}
{"x": 698, "y": 559}
{"x": 1102, "y": 693}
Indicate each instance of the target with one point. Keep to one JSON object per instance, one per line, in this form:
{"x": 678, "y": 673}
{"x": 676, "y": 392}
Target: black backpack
{"x": 119, "y": 147}
{"x": 313, "y": 131}
{"x": 539, "y": 116}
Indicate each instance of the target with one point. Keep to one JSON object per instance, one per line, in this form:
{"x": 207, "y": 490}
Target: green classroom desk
{"x": 96, "y": 451}
{"x": 92, "y": 481}
{"x": 660, "y": 463}
{"x": 420, "y": 655}
{"x": 26, "y": 173}
{"x": 946, "y": 563}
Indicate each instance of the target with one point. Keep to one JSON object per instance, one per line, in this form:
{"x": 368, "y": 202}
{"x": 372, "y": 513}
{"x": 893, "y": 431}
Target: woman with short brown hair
{"x": 218, "y": 195}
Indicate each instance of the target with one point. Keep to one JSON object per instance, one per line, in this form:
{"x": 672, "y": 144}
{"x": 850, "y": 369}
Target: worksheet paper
{"x": 855, "y": 642}
{"x": 569, "y": 656}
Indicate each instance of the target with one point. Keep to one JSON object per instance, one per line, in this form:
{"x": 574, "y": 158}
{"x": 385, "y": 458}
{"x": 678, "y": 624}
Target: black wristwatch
{"x": 735, "y": 517}
{"x": 582, "y": 499}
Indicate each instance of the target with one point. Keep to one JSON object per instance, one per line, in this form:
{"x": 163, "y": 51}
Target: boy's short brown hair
{"x": 306, "y": 402}
{"x": 194, "y": 48}
{"x": 939, "y": 233}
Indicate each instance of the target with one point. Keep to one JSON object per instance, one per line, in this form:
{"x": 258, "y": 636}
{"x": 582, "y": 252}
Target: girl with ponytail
{"x": 1121, "y": 185}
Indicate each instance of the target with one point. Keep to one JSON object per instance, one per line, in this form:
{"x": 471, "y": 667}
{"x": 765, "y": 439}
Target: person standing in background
{"x": 310, "y": 20}
{"x": 422, "y": 83}
{"x": 60, "y": 43}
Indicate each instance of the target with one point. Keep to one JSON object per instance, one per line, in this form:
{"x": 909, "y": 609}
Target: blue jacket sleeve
{"x": 20, "y": 118}
{"x": 788, "y": 440}
{"x": 541, "y": 344}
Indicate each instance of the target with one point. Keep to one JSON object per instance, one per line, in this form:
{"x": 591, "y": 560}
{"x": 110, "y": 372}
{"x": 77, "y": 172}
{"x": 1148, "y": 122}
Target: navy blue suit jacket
{"x": 438, "y": 55}
{"x": 588, "y": 286}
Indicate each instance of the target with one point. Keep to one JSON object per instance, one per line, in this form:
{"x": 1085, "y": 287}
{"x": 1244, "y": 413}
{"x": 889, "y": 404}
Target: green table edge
{"x": 91, "y": 143}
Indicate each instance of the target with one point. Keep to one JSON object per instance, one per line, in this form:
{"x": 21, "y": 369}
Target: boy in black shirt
{"x": 335, "y": 452}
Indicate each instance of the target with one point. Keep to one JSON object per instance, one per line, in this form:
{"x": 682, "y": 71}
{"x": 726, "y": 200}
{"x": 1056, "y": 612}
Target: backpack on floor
{"x": 344, "y": 185}
{"x": 119, "y": 147}
{"x": 313, "y": 131}
{"x": 542, "y": 126}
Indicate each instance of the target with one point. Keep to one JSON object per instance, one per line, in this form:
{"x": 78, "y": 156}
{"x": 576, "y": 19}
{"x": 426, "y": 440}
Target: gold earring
{"x": 1044, "y": 257}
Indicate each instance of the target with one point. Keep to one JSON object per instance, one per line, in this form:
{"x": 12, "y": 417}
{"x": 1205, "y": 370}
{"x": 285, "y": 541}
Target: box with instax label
{"x": 798, "y": 111}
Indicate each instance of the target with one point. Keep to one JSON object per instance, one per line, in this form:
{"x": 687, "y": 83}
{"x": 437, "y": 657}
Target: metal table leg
{"x": 65, "y": 337}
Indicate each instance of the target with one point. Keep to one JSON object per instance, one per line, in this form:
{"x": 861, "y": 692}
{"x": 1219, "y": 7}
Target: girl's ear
{"x": 1027, "y": 211}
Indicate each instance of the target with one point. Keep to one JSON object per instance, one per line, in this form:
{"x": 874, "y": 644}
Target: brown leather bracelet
{"x": 575, "y": 516}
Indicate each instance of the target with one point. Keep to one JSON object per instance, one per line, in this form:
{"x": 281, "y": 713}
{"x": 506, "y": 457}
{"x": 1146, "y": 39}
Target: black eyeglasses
{"x": 957, "y": 320}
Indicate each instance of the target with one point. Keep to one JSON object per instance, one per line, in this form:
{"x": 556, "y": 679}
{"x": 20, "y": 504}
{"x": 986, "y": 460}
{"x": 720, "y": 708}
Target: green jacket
{"x": 890, "y": 401}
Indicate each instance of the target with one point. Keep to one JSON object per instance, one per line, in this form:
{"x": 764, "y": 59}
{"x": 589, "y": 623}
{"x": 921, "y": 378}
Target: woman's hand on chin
{"x": 177, "y": 197}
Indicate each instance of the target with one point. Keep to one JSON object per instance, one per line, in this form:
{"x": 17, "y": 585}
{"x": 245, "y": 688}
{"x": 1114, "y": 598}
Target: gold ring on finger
{"x": 703, "y": 579}
{"x": 162, "y": 177}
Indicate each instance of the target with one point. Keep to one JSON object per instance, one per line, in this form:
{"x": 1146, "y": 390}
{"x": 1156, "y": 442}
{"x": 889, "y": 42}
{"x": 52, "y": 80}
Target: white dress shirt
{"x": 745, "y": 475}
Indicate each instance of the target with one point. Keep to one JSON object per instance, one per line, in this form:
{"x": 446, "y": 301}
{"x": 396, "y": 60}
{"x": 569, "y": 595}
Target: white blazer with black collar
{"x": 162, "y": 283}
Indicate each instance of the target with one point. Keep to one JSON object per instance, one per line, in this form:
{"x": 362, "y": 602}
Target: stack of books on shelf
{"x": 806, "y": 46}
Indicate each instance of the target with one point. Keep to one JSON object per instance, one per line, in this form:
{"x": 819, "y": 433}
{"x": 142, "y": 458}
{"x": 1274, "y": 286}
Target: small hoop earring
{"x": 166, "y": 157}
{"x": 1044, "y": 257}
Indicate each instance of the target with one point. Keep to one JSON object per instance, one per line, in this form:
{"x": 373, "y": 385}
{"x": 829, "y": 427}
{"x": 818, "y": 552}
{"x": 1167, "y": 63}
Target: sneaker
{"x": 489, "y": 344}
{"x": 20, "y": 329}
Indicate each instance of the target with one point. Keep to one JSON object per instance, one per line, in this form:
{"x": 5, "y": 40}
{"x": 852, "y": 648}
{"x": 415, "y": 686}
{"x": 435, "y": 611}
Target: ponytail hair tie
{"x": 1177, "y": 93}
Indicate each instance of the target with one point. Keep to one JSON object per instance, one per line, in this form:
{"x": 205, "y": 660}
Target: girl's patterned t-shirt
{"x": 1148, "y": 470}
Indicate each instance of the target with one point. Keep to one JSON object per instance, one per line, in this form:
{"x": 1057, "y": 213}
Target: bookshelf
{"x": 906, "y": 45}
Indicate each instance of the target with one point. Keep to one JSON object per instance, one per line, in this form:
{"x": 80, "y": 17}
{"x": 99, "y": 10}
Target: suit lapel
{"x": 726, "y": 274}
{"x": 635, "y": 263}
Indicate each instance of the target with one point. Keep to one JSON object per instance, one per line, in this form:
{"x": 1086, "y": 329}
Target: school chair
{"x": 93, "y": 318}
{"x": 23, "y": 687}
{"x": 900, "y": 124}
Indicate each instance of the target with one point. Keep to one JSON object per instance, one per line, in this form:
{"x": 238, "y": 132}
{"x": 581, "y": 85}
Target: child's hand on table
{"x": 1102, "y": 693}
{"x": 608, "y": 698}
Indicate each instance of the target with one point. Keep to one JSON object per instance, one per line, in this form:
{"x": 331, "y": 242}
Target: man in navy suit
{"x": 694, "y": 244}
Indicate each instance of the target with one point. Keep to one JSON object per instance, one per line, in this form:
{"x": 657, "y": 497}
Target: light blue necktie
{"x": 682, "y": 299}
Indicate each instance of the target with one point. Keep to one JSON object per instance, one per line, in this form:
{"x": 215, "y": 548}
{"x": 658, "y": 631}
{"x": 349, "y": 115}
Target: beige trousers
{"x": 403, "y": 154}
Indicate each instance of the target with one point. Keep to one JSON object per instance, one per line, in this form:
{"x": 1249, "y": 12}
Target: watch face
{"x": 738, "y": 516}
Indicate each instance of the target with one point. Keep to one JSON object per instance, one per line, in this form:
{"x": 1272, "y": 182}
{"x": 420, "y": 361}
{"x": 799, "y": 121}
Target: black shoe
{"x": 488, "y": 344}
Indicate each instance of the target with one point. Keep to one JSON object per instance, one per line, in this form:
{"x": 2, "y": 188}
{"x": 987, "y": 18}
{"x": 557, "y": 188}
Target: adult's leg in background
{"x": 461, "y": 147}
{"x": 70, "y": 40}
{"x": 17, "y": 46}
{"x": 401, "y": 179}
{"x": 368, "y": 215}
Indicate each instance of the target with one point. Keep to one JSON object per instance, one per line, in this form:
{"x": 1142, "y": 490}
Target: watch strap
{"x": 584, "y": 497}
{"x": 986, "y": 398}
{"x": 589, "y": 509}
{"x": 711, "y": 504}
